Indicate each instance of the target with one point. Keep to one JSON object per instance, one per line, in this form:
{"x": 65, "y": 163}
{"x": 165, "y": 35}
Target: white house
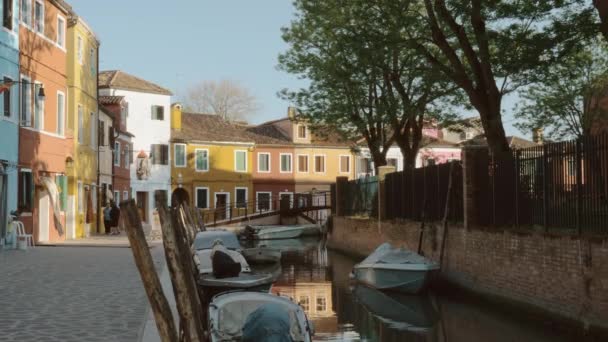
{"x": 148, "y": 119}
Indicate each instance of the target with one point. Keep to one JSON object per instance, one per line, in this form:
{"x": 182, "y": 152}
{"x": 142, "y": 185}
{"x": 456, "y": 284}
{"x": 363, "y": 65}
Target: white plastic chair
{"x": 21, "y": 235}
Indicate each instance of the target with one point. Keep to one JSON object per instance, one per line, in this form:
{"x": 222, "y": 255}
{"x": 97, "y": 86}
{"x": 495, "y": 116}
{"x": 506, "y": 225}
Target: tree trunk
{"x": 602, "y": 9}
{"x": 488, "y": 106}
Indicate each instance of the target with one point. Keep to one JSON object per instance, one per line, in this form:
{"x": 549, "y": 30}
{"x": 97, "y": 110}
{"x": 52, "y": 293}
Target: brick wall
{"x": 565, "y": 276}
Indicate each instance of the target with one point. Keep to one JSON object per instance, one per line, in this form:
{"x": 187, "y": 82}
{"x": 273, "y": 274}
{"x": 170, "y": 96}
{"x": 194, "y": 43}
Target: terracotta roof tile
{"x": 121, "y": 80}
{"x": 110, "y": 99}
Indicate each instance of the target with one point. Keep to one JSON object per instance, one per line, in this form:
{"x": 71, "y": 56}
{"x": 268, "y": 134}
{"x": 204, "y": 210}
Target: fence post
{"x": 341, "y": 184}
{"x": 517, "y": 156}
{"x": 470, "y": 183}
{"x": 382, "y": 172}
{"x": 579, "y": 181}
{"x": 545, "y": 186}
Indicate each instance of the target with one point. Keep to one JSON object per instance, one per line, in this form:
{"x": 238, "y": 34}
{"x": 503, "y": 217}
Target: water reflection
{"x": 342, "y": 311}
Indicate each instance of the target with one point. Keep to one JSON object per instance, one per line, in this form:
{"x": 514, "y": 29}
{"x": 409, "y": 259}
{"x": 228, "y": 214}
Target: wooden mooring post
{"x": 131, "y": 223}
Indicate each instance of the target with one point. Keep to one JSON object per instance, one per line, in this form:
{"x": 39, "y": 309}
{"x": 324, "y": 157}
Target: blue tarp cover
{"x": 268, "y": 323}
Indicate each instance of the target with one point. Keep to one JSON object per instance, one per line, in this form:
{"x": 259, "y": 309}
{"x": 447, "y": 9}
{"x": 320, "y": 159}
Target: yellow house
{"x": 82, "y": 66}
{"x": 211, "y": 164}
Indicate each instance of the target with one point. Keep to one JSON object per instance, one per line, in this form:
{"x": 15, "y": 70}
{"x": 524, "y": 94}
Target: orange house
{"x": 45, "y": 146}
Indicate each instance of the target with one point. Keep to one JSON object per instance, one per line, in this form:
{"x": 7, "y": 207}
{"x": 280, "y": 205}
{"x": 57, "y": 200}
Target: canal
{"x": 318, "y": 279}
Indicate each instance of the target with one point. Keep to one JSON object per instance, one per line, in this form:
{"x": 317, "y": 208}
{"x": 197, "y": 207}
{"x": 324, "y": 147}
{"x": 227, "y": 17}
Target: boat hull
{"x": 211, "y": 286}
{"x": 261, "y": 255}
{"x": 405, "y": 281}
{"x": 280, "y": 232}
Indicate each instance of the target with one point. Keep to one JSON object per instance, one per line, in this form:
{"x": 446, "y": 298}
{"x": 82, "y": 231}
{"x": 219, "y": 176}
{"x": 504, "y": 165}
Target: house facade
{"x": 9, "y": 111}
{"x": 148, "y": 120}
{"x": 106, "y": 159}
{"x": 83, "y": 117}
{"x": 45, "y": 145}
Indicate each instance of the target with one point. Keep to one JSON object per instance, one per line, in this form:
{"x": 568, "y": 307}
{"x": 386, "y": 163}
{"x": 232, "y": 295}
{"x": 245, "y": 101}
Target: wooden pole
{"x": 446, "y": 213}
{"x": 131, "y": 223}
{"x": 184, "y": 288}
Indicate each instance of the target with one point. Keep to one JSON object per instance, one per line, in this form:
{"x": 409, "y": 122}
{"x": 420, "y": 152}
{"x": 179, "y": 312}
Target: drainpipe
{"x": 98, "y": 170}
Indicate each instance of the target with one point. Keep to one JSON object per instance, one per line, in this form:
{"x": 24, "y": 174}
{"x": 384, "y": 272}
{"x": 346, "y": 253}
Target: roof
{"x": 118, "y": 79}
{"x": 428, "y": 141}
{"x": 210, "y": 127}
{"x": 513, "y": 141}
{"x": 107, "y": 100}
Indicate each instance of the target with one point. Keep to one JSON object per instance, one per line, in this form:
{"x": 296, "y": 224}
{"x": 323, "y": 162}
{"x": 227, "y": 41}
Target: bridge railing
{"x": 284, "y": 204}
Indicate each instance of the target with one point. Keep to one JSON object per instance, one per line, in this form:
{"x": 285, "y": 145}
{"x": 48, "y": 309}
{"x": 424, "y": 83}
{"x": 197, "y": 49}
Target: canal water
{"x": 342, "y": 311}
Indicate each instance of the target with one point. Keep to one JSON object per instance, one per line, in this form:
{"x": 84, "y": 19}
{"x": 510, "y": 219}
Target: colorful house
{"x": 83, "y": 115}
{"x": 9, "y": 111}
{"x": 45, "y": 145}
{"x": 148, "y": 119}
{"x": 212, "y": 162}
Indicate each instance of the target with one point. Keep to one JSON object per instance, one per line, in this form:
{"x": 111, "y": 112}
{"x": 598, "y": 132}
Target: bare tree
{"x": 227, "y": 98}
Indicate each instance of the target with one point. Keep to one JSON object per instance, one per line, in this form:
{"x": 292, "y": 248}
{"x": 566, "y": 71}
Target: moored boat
{"x": 228, "y": 314}
{"x": 395, "y": 269}
{"x": 274, "y": 232}
{"x": 261, "y": 255}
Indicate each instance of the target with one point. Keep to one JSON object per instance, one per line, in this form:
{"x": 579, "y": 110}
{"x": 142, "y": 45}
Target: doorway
{"x": 222, "y": 205}
{"x": 286, "y": 200}
{"x": 179, "y": 196}
{"x": 44, "y": 206}
{"x": 142, "y": 205}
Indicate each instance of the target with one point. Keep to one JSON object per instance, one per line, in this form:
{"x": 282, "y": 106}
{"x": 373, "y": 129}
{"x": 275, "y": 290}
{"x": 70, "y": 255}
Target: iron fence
{"x": 420, "y": 194}
{"x": 361, "y": 197}
{"x": 558, "y": 186}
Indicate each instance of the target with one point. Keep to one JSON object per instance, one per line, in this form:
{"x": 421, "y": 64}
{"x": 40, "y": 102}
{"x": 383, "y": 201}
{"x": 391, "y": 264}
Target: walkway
{"x": 72, "y": 294}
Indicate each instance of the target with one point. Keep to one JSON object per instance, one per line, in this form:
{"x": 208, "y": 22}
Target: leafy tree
{"x": 490, "y": 48}
{"x": 226, "y": 98}
{"x": 565, "y": 102}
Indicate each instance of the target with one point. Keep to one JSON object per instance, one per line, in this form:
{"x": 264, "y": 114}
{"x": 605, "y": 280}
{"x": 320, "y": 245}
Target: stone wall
{"x": 564, "y": 276}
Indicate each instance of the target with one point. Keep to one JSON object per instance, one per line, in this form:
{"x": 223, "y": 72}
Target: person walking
{"x": 114, "y": 217}
{"x": 107, "y": 219}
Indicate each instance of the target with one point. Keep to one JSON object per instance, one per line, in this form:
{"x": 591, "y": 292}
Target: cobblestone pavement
{"x": 72, "y": 294}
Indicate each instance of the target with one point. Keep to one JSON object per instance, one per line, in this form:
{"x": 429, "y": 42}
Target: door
{"x": 142, "y": 205}
{"x": 286, "y": 199}
{"x": 44, "y": 206}
{"x": 222, "y": 202}
{"x": 71, "y": 218}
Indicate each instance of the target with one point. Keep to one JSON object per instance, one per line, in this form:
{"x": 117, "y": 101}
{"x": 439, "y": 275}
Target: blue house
{"x": 9, "y": 110}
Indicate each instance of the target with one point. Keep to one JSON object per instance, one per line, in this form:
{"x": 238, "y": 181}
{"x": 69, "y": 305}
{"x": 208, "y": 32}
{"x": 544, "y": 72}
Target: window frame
{"x": 80, "y": 49}
{"x": 27, "y": 111}
{"x": 125, "y": 155}
{"x": 29, "y": 195}
{"x": 307, "y": 163}
{"x": 7, "y": 95}
{"x": 64, "y": 26}
{"x": 269, "y": 167}
{"x": 35, "y": 21}
{"x": 305, "y": 131}
{"x": 38, "y": 105}
{"x": 125, "y": 195}
{"x": 340, "y": 161}
{"x": 185, "y": 164}
{"x": 324, "y": 163}
{"x": 196, "y": 189}
{"x": 290, "y": 162}
{"x": 116, "y": 154}
{"x": 236, "y": 196}
{"x": 28, "y": 23}
{"x": 236, "y": 152}
{"x": 158, "y": 160}
{"x": 116, "y": 196}
{"x": 257, "y": 202}
{"x": 80, "y": 197}
{"x": 154, "y": 114}
{"x": 196, "y": 159}
{"x": 61, "y": 118}
{"x": 92, "y": 130}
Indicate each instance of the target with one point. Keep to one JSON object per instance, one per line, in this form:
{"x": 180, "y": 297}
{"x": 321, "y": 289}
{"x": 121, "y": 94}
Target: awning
{"x": 51, "y": 188}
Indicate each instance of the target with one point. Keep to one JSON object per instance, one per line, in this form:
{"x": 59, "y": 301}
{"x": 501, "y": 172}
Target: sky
{"x": 179, "y": 43}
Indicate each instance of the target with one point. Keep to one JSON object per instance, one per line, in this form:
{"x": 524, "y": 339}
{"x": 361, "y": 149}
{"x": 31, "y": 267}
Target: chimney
{"x": 176, "y": 116}
{"x": 291, "y": 112}
{"x": 537, "y": 135}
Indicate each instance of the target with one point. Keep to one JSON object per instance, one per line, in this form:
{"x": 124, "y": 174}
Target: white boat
{"x": 273, "y": 232}
{"x": 262, "y": 255}
{"x": 396, "y": 269}
{"x": 228, "y": 313}
{"x": 202, "y": 246}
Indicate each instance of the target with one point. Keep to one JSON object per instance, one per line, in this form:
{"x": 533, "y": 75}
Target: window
{"x": 241, "y": 197}
{"x": 62, "y": 185}
{"x": 180, "y": 155}
{"x": 158, "y": 113}
{"x": 80, "y": 49}
{"x": 344, "y": 164}
{"x": 392, "y": 162}
{"x": 102, "y": 133}
{"x": 60, "y": 113}
{"x": 93, "y": 129}
{"x": 202, "y": 198}
{"x": 38, "y": 108}
{"x": 302, "y": 132}
{"x": 26, "y": 12}
{"x": 61, "y": 31}
{"x": 305, "y": 303}
{"x": 92, "y": 64}
{"x": 319, "y": 164}
{"x": 124, "y": 113}
{"x": 262, "y": 200}
{"x": 302, "y": 163}
{"x": 116, "y": 197}
{"x": 365, "y": 165}
{"x": 80, "y": 198}
{"x": 80, "y": 124}
{"x": 7, "y": 97}
{"x": 7, "y": 14}
{"x": 240, "y": 161}
{"x": 285, "y": 162}
{"x": 26, "y": 190}
{"x": 201, "y": 160}
{"x": 321, "y": 304}
{"x": 26, "y": 102}
{"x": 94, "y": 197}
{"x": 125, "y": 195}
{"x": 116, "y": 153}
{"x": 160, "y": 154}
{"x": 130, "y": 153}
{"x": 39, "y": 17}
{"x": 263, "y": 162}
{"x": 125, "y": 156}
